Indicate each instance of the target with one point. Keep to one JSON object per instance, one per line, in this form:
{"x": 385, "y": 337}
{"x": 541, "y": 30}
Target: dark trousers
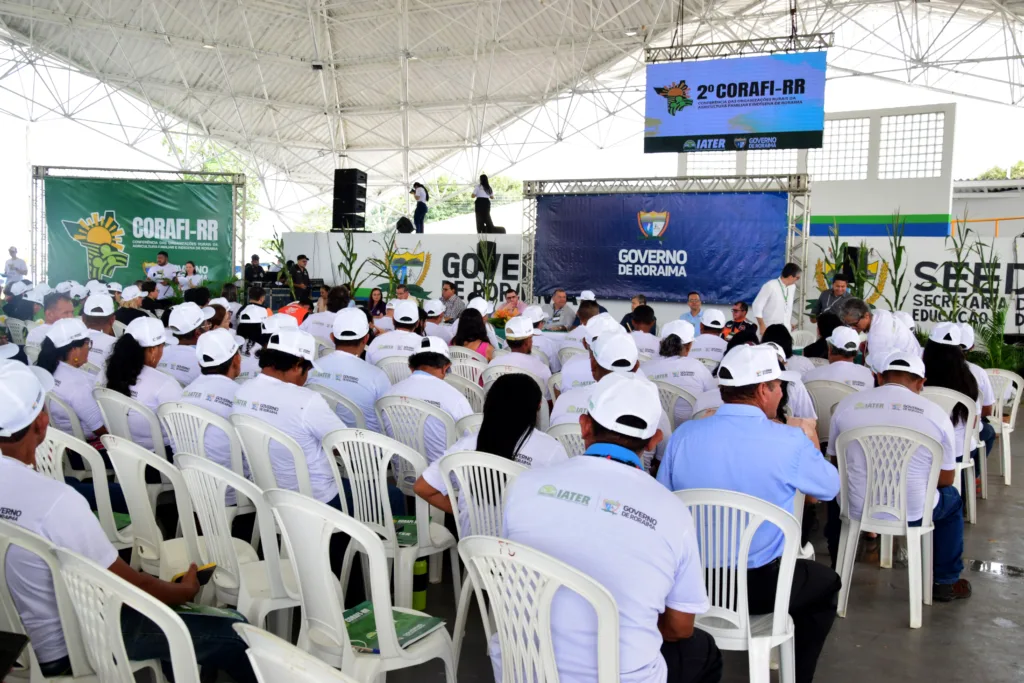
{"x": 812, "y": 604}
{"x": 948, "y": 537}
{"x": 988, "y": 437}
{"x": 117, "y": 501}
{"x": 693, "y": 660}
{"x": 482, "y": 207}
{"x": 418, "y": 216}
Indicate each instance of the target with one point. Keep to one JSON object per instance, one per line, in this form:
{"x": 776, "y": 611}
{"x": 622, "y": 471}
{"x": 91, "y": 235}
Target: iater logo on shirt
{"x": 562, "y": 494}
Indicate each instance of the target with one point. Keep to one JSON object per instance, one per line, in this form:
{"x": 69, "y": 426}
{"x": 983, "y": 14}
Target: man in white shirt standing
{"x": 56, "y": 306}
{"x": 187, "y": 322}
{"x": 163, "y": 274}
{"x": 434, "y": 326}
{"x": 603, "y": 499}
{"x": 403, "y": 341}
{"x": 348, "y": 374}
{"x": 885, "y": 331}
{"x": 98, "y": 316}
{"x": 709, "y": 343}
{"x": 842, "y": 350}
{"x": 320, "y": 324}
{"x": 643, "y": 322}
{"x": 519, "y": 335}
{"x": 774, "y": 303}
{"x": 897, "y": 403}
{"x": 15, "y": 269}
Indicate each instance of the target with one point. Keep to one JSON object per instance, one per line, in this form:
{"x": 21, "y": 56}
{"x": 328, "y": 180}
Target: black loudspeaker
{"x": 487, "y": 254}
{"x": 349, "y": 199}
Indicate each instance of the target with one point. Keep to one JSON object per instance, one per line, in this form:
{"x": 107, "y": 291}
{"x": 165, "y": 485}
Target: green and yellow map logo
{"x": 102, "y": 239}
{"x": 678, "y": 96}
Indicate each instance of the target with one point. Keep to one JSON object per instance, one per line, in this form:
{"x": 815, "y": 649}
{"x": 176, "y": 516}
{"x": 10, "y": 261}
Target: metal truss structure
{"x": 795, "y": 186}
{"x": 410, "y": 88}
{"x": 678, "y": 53}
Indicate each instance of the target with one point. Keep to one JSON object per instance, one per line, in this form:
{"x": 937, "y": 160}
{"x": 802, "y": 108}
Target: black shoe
{"x": 948, "y": 592}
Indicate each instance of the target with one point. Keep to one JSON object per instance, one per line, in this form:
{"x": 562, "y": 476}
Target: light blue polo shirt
{"x": 739, "y": 449}
{"x": 693, "y": 319}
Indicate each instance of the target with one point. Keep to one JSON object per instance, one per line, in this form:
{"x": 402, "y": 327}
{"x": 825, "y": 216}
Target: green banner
{"x": 111, "y": 230}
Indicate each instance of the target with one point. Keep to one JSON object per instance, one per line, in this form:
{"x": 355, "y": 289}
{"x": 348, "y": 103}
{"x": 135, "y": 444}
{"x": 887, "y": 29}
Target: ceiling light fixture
{"x": 209, "y": 46}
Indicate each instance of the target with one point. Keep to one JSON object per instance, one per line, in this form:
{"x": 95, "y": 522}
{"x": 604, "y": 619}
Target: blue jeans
{"x": 418, "y": 215}
{"x": 988, "y": 437}
{"x": 117, "y": 501}
{"x": 948, "y": 537}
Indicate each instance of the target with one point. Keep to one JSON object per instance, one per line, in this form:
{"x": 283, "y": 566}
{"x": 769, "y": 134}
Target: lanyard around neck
{"x": 610, "y": 451}
{"x": 785, "y": 291}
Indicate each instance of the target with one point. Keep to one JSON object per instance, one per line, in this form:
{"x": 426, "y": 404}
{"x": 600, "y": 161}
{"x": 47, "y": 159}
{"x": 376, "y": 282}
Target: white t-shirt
{"x": 157, "y": 273}
{"x": 539, "y": 450}
{"x": 74, "y": 386}
{"x": 440, "y": 331}
{"x": 355, "y": 379}
{"x": 397, "y": 343}
{"x": 438, "y": 393}
{"x": 102, "y": 345}
{"x": 384, "y": 324}
{"x": 14, "y": 270}
{"x": 800, "y": 400}
{"x": 684, "y": 372}
{"x": 58, "y": 513}
{"x": 549, "y": 347}
{"x": 610, "y": 521}
{"x": 709, "y": 346}
{"x": 215, "y": 393}
{"x": 151, "y": 389}
{"x": 37, "y": 334}
{"x": 300, "y": 413}
{"x": 892, "y": 405}
{"x": 646, "y": 343}
{"x": 250, "y": 366}
{"x": 181, "y": 363}
{"x": 574, "y": 339}
{"x": 986, "y": 396}
{"x": 799, "y": 364}
{"x": 531, "y": 364}
{"x": 480, "y": 193}
{"x": 889, "y": 333}
{"x": 774, "y": 303}
{"x": 421, "y": 196}
{"x": 187, "y": 282}
{"x": 319, "y": 325}
{"x": 576, "y": 373}
{"x": 850, "y": 374}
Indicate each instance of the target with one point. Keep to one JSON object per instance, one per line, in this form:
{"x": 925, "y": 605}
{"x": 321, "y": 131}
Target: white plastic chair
{"x": 323, "y": 347}
{"x": 710, "y": 363}
{"x": 307, "y": 526}
{"x": 1004, "y": 381}
{"x": 405, "y": 419}
{"x": 351, "y": 410}
{"x": 725, "y": 523}
{"x": 461, "y": 353}
{"x": 366, "y": 457}
{"x": 275, "y": 660}
{"x": 826, "y": 395}
{"x": 471, "y": 390}
{"x": 32, "y": 352}
{"x": 948, "y": 399}
{"x": 257, "y": 588}
{"x": 570, "y": 435}
{"x": 802, "y": 338}
{"x": 887, "y": 453}
{"x": 395, "y": 367}
{"x": 150, "y": 552}
{"x": 521, "y": 584}
{"x": 670, "y": 394}
{"x": 18, "y": 330}
{"x": 75, "y": 427}
{"x": 817, "y": 362}
{"x": 98, "y": 595}
{"x": 542, "y": 356}
{"x": 469, "y": 425}
{"x": 567, "y": 352}
{"x": 555, "y": 384}
{"x": 468, "y": 368}
{"x": 491, "y": 375}
{"x": 119, "y": 328}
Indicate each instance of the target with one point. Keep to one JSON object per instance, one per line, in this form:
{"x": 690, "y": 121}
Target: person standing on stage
{"x": 300, "y": 276}
{"x": 774, "y": 303}
{"x": 189, "y": 278}
{"x": 163, "y": 274}
{"x": 482, "y": 194}
{"x": 253, "y": 270}
{"x": 422, "y": 197}
{"x": 15, "y": 269}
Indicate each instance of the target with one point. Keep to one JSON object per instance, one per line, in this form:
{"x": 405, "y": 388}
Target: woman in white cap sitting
{"x": 131, "y": 305}
{"x": 64, "y": 351}
{"x": 674, "y": 366}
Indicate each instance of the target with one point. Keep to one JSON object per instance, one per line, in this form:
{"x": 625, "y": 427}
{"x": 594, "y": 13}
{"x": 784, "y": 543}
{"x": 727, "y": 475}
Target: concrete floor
{"x": 980, "y": 639}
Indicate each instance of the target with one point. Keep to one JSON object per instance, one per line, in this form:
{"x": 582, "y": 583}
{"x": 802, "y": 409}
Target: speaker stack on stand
{"x": 349, "y": 200}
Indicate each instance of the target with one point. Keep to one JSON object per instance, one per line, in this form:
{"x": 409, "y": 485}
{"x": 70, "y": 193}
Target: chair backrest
{"x": 130, "y": 462}
{"x": 1002, "y": 381}
{"x": 567, "y": 352}
{"x": 323, "y": 347}
{"x": 395, "y": 367}
{"x": 542, "y": 356}
{"x": 334, "y": 399}
{"x": 725, "y": 523}
{"x": 701, "y": 414}
{"x": 554, "y": 384}
{"x": 469, "y": 425}
{"x": 948, "y": 400}
{"x": 521, "y": 583}
{"x": 461, "y": 353}
{"x": 670, "y": 394}
{"x": 256, "y": 437}
{"x": 887, "y": 455}
{"x": 570, "y": 435}
{"x": 98, "y": 595}
{"x": 119, "y": 328}
{"x": 710, "y": 363}
{"x": 207, "y": 484}
{"x": 469, "y": 368}
{"x": 32, "y": 352}
{"x": 405, "y": 420}
{"x": 802, "y": 338}
{"x": 18, "y": 330}
{"x": 307, "y": 526}
{"x": 12, "y": 535}
{"x": 492, "y": 373}
{"x": 76, "y": 424}
{"x": 817, "y": 362}
{"x": 187, "y": 425}
{"x": 826, "y": 395}
{"x": 115, "y": 408}
{"x": 479, "y": 497}
{"x": 274, "y": 660}
{"x": 473, "y": 392}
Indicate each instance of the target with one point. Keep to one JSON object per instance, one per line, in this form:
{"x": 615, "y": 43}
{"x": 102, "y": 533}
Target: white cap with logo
{"x": 278, "y": 322}
{"x": 433, "y": 345}
{"x": 37, "y": 294}
{"x": 481, "y": 304}
{"x": 99, "y": 304}
{"x": 712, "y": 317}
{"x": 114, "y": 287}
{"x": 588, "y": 295}
{"x": 616, "y": 351}
{"x": 66, "y": 287}
{"x": 906, "y": 319}
{"x": 67, "y": 331}
{"x": 966, "y": 336}
{"x": 518, "y": 328}
{"x": 147, "y": 332}
{"x": 20, "y": 287}
{"x": 903, "y": 362}
{"x": 219, "y": 301}
{"x": 217, "y": 347}
{"x": 294, "y": 342}
{"x": 22, "y": 395}
{"x": 407, "y": 313}
{"x": 350, "y": 325}
{"x": 626, "y": 404}
{"x": 534, "y": 314}
{"x": 947, "y": 334}
{"x": 253, "y": 314}
{"x": 602, "y": 323}
{"x": 844, "y": 339}
{"x": 680, "y": 328}
{"x": 746, "y": 365}
{"x": 96, "y": 286}
{"x": 433, "y": 307}
{"x": 131, "y": 292}
{"x": 187, "y": 317}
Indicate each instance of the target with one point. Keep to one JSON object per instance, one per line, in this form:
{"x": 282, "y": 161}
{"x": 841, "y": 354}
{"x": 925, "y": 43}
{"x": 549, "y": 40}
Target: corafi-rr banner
{"x": 723, "y": 245}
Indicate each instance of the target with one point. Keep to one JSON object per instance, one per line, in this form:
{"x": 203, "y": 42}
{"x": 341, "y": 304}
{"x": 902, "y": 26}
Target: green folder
{"x": 362, "y": 627}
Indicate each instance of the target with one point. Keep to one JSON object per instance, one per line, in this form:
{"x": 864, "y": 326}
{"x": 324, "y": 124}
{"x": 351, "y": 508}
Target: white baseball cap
{"x": 876, "y": 360}
{"x": 131, "y": 292}
{"x": 945, "y": 333}
{"x": 220, "y": 301}
{"x": 966, "y": 336}
{"x": 602, "y": 323}
{"x": 114, "y": 287}
{"x": 433, "y": 345}
{"x": 587, "y": 295}
{"x": 37, "y": 294}
{"x": 22, "y": 395}
{"x": 66, "y": 287}
{"x": 844, "y": 339}
{"x": 746, "y": 365}
{"x": 278, "y": 322}
{"x": 390, "y": 306}
{"x": 147, "y": 332}
{"x": 407, "y": 312}
{"x": 712, "y": 317}
{"x": 187, "y": 317}
{"x": 905, "y": 318}
{"x": 534, "y": 314}
{"x": 680, "y": 328}
{"x": 518, "y": 328}
{"x": 9, "y": 350}
{"x": 350, "y": 324}
{"x": 99, "y": 304}
{"x": 904, "y": 362}
{"x": 294, "y": 342}
{"x": 95, "y": 286}
{"x": 216, "y": 347}
{"x": 253, "y": 314}
{"x": 80, "y": 291}
{"x": 616, "y": 352}
{"x": 627, "y": 404}
{"x": 480, "y": 304}
{"x": 67, "y": 331}
{"x": 433, "y": 307}
{"x": 20, "y": 287}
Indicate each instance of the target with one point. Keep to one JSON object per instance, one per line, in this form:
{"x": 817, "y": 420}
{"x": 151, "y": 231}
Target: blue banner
{"x": 723, "y": 245}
